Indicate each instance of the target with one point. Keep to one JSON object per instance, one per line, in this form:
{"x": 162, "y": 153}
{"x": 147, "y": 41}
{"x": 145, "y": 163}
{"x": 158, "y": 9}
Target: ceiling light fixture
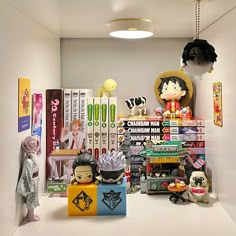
{"x": 131, "y": 28}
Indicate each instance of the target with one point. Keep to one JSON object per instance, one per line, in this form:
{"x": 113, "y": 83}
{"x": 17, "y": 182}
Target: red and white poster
{"x": 37, "y": 106}
{"x": 217, "y": 102}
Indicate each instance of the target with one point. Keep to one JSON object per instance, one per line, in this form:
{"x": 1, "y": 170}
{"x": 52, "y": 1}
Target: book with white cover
{"x": 67, "y": 107}
{"x": 75, "y": 104}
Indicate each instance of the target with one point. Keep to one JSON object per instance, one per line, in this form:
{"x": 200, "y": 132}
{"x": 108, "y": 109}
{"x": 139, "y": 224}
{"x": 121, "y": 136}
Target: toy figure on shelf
{"x": 173, "y": 89}
{"x": 112, "y": 167}
{"x": 159, "y": 112}
{"x": 198, "y": 187}
{"x": 186, "y": 113}
{"x": 125, "y": 146}
{"x": 108, "y": 87}
{"x": 29, "y": 178}
{"x": 142, "y": 170}
{"x": 137, "y": 103}
{"x": 84, "y": 169}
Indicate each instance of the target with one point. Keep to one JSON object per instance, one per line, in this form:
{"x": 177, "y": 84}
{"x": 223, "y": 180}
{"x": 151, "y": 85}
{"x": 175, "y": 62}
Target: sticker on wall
{"x": 37, "y": 102}
{"x": 217, "y": 103}
{"x": 24, "y": 104}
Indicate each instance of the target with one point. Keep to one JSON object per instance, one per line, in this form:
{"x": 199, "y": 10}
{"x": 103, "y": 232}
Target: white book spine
{"x": 89, "y": 126}
{"x": 75, "y": 104}
{"x": 84, "y": 94}
{"x": 104, "y": 125}
{"x": 97, "y": 127}
{"x": 112, "y": 123}
{"x": 67, "y": 107}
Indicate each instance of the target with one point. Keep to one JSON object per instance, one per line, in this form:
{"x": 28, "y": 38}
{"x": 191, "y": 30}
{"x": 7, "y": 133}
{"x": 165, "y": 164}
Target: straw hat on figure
{"x": 29, "y": 178}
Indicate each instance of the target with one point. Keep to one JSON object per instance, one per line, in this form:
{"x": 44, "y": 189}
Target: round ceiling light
{"x": 131, "y": 28}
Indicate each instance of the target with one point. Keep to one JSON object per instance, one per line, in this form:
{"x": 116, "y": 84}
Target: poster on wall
{"x": 217, "y": 103}
{"x": 37, "y": 102}
{"x": 24, "y": 102}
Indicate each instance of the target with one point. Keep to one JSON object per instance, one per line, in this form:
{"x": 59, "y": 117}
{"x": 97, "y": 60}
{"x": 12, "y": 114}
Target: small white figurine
{"x": 198, "y": 187}
{"x": 29, "y": 179}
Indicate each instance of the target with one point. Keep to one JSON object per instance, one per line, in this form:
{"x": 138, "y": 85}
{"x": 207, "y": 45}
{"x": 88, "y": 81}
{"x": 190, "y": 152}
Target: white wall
{"x": 134, "y": 64}
{"x": 221, "y": 141}
{"x": 26, "y": 50}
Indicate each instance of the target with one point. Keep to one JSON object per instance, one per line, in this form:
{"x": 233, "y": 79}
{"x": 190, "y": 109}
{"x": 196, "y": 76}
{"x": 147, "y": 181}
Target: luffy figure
{"x": 174, "y": 89}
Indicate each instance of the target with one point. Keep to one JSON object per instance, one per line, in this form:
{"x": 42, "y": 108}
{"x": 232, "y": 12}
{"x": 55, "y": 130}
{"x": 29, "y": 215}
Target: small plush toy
{"x": 198, "y": 57}
{"x": 198, "y": 187}
{"x": 84, "y": 169}
{"x": 112, "y": 167}
{"x": 108, "y": 87}
{"x": 29, "y": 178}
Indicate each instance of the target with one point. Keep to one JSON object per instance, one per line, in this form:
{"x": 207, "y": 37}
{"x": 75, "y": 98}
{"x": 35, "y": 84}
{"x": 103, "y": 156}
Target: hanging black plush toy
{"x": 198, "y": 56}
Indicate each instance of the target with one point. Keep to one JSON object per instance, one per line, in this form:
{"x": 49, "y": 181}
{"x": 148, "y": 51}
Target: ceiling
{"x": 90, "y": 18}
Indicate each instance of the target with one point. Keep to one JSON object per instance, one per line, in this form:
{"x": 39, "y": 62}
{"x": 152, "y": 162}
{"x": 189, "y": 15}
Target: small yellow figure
{"x": 109, "y": 85}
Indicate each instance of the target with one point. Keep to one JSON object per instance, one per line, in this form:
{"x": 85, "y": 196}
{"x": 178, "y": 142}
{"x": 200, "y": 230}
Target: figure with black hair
{"x": 174, "y": 90}
{"x": 84, "y": 169}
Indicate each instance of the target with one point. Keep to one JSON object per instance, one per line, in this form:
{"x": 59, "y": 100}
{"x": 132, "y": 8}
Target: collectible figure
{"x": 108, "y": 87}
{"x": 125, "y": 146}
{"x": 198, "y": 57}
{"x": 198, "y": 187}
{"x": 84, "y": 169}
{"x": 112, "y": 167}
{"x": 137, "y": 103}
{"x": 173, "y": 89}
{"x": 159, "y": 111}
{"x": 142, "y": 170}
{"x": 29, "y": 178}
{"x": 186, "y": 113}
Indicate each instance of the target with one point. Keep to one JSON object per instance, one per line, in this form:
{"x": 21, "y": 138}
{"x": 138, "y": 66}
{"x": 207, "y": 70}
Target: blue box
{"x": 112, "y": 199}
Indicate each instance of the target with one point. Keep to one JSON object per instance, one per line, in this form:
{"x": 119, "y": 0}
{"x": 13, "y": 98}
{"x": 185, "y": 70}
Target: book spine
{"x": 112, "y": 123}
{"x": 54, "y": 121}
{"x": 104, "y": 125}
{"x": 75, "y": 104}
{"x": 67, "y": 107}
{"x": 96, "y": 126}
{"x": 89, "y": 126}
{"x": 84, "y": 94}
